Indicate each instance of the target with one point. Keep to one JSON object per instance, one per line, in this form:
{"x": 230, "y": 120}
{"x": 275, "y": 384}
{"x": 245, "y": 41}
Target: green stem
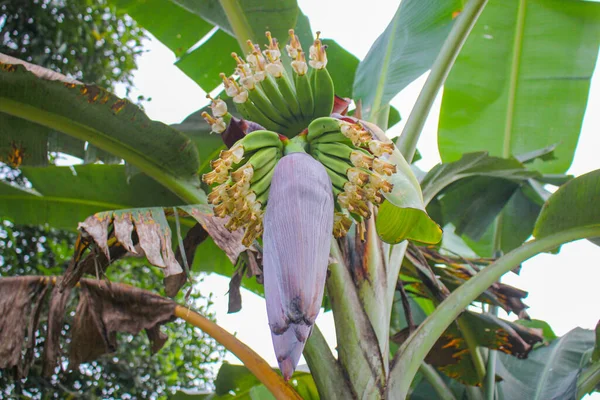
{"x": 410, "y": 355}
{"x": 186, "y": 190}
{"x": 436, "y": 381}
{"x": 469, "y": 336}
{"x": 588, "y": 380}
{"x": 325, "y": 369}
{"x": 439, "y": 71}
{"x": 239, "y": 23}
{"x": 358, "y": 348}
{"x": 490, "y": 377}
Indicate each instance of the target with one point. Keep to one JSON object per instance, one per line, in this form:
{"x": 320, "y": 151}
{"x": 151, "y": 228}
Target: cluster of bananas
{"x": 243, "y": 177}
{"x": 353, "y": 161}
{"x": 285, "y": 106}
{"x": 264, "y": 92}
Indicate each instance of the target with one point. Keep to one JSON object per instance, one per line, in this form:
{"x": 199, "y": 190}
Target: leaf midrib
{"x": 514, "y": 77}
{"x": 385, "y": 67}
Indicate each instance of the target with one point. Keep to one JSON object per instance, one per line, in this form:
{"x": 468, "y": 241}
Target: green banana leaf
{"x": 470, "y": 165}
{"x": 91, "y": 114}
{"x": 64, "y": 196}
{"x": 235, "y": 382}
{"x": 521, "y": 81}
{"x": 575, "y": 204}
{"x": 403, "y": 52}
{"x": 550, "y": 372}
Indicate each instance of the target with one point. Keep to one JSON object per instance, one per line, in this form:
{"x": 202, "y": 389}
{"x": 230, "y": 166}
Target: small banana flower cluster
{"x": 265, "y": 93}
{"x": 243, "y": 177}
{"x": 353, "y": 160}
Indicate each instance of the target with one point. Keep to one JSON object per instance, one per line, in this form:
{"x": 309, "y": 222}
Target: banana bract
{"x": 298, "y": 224}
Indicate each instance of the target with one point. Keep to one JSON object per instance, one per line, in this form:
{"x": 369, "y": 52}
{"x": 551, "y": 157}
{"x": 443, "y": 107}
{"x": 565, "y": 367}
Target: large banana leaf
{"x": 403, "y": 52}
{"x": 521, "y": 81}
{"x": 65, "y": 196}
{"x": 574, "y": 205}
{"x": 549, "y": 372}
{"x": 89, "y": 113}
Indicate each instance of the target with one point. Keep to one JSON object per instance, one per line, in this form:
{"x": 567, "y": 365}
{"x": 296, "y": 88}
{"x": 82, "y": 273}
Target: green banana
{"x": 340, "y": 150}
{"x": 323, "y": 91}
{"x": 259, "y": 173}
{"x": 289, "y": 94}
{"x": 261, "y": 101}
{"x": 279, "y": 101}
{"x": 258, "y": 139}
{"x": 263, "y": 157}
{"x": 332, "y": 137}
{"x": 250, "y": 112}
{"x": 335, "y": 164}
{"x": 305, "y": 96}
{"x": 338, "y": 181}
{"x": 321, "y": 126}
{"x": 262, "y": 184}
{"x": 262, "y": 197}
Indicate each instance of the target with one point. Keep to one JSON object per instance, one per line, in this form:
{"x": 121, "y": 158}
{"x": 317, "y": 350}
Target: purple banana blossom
{"x": 297, "y": 236}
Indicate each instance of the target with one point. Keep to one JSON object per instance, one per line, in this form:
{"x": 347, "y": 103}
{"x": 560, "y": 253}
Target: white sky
{"x": 563, "y": 289}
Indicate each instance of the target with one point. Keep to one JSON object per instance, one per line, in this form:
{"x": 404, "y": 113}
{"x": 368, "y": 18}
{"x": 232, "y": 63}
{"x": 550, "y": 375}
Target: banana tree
{"x": 306, "y": 193}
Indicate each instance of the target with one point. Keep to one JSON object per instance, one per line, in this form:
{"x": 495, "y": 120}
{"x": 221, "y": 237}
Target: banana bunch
{"x": 352, "y": 159}
{"x": 242, "y": 176}
{"x": 264, "y": 92}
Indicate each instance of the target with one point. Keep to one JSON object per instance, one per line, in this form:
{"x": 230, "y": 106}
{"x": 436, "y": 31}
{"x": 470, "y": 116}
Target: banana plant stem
{"x": 411, "y": 354}
{"x": 438, "y": 384}
{"x": 439, "y": 71}
{"x": 255, "y": 363}
{"x": 237, "y": 20}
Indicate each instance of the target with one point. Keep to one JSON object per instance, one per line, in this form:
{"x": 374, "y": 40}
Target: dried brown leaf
{"x": 123, "y": 230}
{"x": 104, "y": 310}
{"x": 229, "y": 242}
{"x": 56, "y": 315}
{"x": 149, "y": 235}
{"x": 235, "y": 295}
{"x": 20, "y": 306}
{"x": 97, "y": 227}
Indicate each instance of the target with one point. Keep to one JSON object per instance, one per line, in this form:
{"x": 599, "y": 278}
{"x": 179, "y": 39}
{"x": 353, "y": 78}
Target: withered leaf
{"x": 451, "y": 355}
{"x": 123, "y": 230}
{"x": 104, "y": 310}
{"x": 235, "y": 295}
{"x": 20, "y": 306}
{"x": 229, "y": 242}
{"x": 97, "y": 227}
{"x": 56, "y": 315}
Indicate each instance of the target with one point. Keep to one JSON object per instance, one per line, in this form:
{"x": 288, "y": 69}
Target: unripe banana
{"x": 262, "y": 184}
{"x": 289, "y": 94}
{"x": 336, "y": 164}
{"x": 305, "y": 96}
{"x": 264, "y": 156}
{"x": 332, "y": 137}
{"x": 258, "y": 139}
{"x": 260, "y": 173}
{"x": 323, "y": 92}
{"x": 263, "y": 104}
{"x": 321, "y": 126}
{"x": 279, "y": 101}
{"x": 338, "y": 181}
{"x": 250, "y": 112}
{"x": 340, "y": 150}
